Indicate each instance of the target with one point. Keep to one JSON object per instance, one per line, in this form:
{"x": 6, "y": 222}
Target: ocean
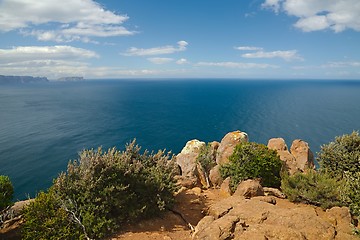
{"x": 43, "y": 126}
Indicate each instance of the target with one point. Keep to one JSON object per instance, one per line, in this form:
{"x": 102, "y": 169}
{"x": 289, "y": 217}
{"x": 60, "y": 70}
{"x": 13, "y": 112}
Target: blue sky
{"x": 281, "y": 39}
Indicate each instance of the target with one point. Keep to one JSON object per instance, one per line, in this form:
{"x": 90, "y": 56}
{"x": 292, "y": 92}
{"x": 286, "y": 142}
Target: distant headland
{"x": 22, "y": 79}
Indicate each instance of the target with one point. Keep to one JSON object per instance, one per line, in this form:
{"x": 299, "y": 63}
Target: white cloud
{"x": 317, "y": 15}
{"x": 341, "y": 64}
{"x": 71, "y": 19}
{"x": 182, "y": 61}
{"x": 32, "y": 53}
{"x": 249, "y": 48}
{"x": 157, "y": 60}
{"x": 236, "y": 65}
{"x": 169, "y": 49}
{"x": 286, "y": 55}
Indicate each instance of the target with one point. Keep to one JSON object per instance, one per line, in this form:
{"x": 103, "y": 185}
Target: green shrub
{"x": 251, "y": 161}
{"x": 45, "y": 219}
{"x": 314, "y": 188}
{"x": 206, "y": 159}
{"x": 6, "y": 192}
{"x": 103, "y": 190}
{"x": 341, "y": 155}
{"x": 341, "y": 159}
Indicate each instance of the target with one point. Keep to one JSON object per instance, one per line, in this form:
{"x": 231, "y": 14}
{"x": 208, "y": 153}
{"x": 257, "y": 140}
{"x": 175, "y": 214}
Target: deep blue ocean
{"x": 43, "y": 126}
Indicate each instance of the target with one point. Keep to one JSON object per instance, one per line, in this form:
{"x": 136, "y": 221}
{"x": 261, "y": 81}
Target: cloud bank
{"x": 315, "y": 15}
{"x": 70, "y": 19}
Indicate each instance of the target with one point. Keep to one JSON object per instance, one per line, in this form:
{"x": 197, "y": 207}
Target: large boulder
{"x": 228, "y": 144}
{"x": 249, "y": 188}
{"x": 186, "y": 159}
{"x": 299, "y": 159}
{"x": 303, "y": 155}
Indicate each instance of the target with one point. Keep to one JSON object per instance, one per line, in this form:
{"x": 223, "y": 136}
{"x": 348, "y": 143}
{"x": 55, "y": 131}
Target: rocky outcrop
{"x": 186, "y": 159}
{"x": 298, "y": 160}
{"x": 228, "y": 144}
{"x": 272, "y": 218}
{"x": 215, "y": 176}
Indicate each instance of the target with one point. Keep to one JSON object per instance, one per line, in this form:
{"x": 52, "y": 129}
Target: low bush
{"x": 252, "y": 161}
{"x": 314, "y": 188}
{"x": 6, "y": 192}
{"x": 103, "y": 190}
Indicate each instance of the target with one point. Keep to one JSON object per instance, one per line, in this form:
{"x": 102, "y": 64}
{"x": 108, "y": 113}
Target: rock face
{"x": 299, "y": 160}
{"x": 272, "y": 218}
{"x": 215, "y": 176}
{"x": 186, "y": 159}
{"x": 228, "y": 144}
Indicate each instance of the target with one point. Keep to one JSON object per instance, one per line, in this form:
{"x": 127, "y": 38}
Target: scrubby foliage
{"x": 313, "y": 188}
{"x": 341, "y": 159}
{"x": 206, "y": 159}
{"x": 103, "y": 190}
{"x": 250, "y": 161}
{"x": 46, "y": 219}
{"x": 6, "y": 192}
{"x": 341, "y": 155}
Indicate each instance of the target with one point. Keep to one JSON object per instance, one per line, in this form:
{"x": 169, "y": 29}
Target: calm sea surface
{"x": 43, "y": 126}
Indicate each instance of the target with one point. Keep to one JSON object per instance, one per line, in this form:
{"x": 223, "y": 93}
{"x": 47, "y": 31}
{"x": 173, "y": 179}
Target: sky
{"x": 267, "y": 39}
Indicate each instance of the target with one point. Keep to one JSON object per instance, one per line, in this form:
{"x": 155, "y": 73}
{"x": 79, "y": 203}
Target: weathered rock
{"x": 187, "y": 182}
{"x": 273, "y": 192}
{"x": 261, "y": 218}
{"x": 186, "y": 159}
{"x": 225, "y": 187}
{"x": 303, "y": 155}
{"x": 215, "y": 176}
{"x": 228, "y": 144}
{"x": 219, "y": 229}
{"x": 249, "y": 188}
{"x": 277, "y": 144}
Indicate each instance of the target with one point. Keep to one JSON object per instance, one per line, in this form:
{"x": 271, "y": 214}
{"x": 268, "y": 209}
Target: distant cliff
{"x": 70, "y": 79}
{"x": 22, "y": 79}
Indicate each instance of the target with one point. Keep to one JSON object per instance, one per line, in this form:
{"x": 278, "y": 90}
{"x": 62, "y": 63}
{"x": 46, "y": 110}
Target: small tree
{"x": 6, "y": 192}
{"x": 251, "y": 161}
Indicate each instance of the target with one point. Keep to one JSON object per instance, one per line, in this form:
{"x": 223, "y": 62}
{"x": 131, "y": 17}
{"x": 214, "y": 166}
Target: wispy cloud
{"x": 169, "y": 49}
{"x": 248, "y": 48}
{"x": 286, "y": 55}
{"x": 319, "y": 15}
{"x": 236, "y": 65}
{"x": 70, "y": 20}
{"x": 182, "y": 61}
{"x": 158, "y": 60}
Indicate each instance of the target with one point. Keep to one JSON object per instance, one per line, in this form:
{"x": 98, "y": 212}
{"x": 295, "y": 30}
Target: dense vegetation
{"x": 6, "y": 192}
{"x": 253, "y": 161}
{"x": 101, "y": 191}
